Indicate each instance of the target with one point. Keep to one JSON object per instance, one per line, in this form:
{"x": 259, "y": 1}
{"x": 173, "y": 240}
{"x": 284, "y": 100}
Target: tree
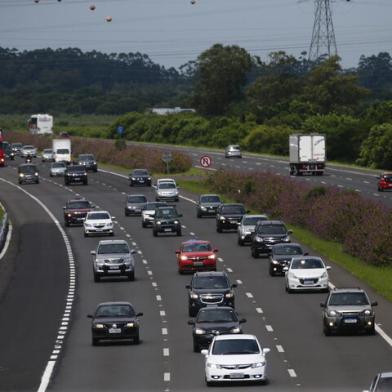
{"x": 220, "y": 78}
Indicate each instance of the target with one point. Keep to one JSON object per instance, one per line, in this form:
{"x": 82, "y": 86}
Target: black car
{"x": 28, "y": 173}
{"x": 140, "y": 177}
{"x": 134, "y": 204}
{"x": 212, "y": 321}
{"x": 166, "y": 220}
{"x": 88, "y": 161}
{"x": 348, "y": 310}
{"x": 113, "y": 321}
{"x": 207, "y": 205}
{"x": 228, "y": 216}
{"x": 268, "y": 233}
{"x": 75, "y": 211}
{"x": 75, "y": 174}
{"x": 9, "y": 153}
{"x": 209, "y": 288}
{"x": 281, "y": 255}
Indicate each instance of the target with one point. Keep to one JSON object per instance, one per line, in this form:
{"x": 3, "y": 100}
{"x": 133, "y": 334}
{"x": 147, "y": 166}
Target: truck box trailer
{"x": 61, "y": 150}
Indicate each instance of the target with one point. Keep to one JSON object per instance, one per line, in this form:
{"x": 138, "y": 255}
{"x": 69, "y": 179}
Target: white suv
{"x": 166, "y": 189}
{"x": 98, "y": 222}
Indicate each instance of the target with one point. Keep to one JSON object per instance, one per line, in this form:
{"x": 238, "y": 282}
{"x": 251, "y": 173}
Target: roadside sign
{"x": 167, "y": 157}
{"x": 205, "y": 161}
{"x": 120, "y": 130}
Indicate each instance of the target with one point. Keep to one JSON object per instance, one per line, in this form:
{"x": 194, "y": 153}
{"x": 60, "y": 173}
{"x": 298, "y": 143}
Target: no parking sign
{"x": 205, "y": 161}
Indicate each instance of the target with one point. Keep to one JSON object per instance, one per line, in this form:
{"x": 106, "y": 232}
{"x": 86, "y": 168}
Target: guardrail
{"x": 3, "y": 230}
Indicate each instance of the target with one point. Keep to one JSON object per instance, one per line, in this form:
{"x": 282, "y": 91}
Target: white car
{"x": 28, "y": 150}
{"x": 306, "y": 273}
{"x": 47, "y": 155}
{"x": 166, "y": 190}
{"x": 98, "y": 222}
{"x": 233, "y": 151}
{"x": 57, "y": 169}
{"x": 235, "y": 358}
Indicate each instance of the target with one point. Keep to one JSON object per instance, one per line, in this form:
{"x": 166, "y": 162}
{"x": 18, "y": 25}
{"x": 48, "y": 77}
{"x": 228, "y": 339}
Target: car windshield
{"x": 115, "y": 311}
{"x": 282, "y": 250}
{"x": 388, "y": 177}
{"x": 210, "y": 199}
{"x": 252, "y": 220}
{"x": 384, "y": 384}
{"x": 16, "y": 145}
{"x": 140, "y": 172}
{"x": 235, "y": 346}
{"x": 235, "y": 148}
{"x": 105, "y": 249}
{"x": 153, "y": 206}
{"x": 197, "y": 247}
{"x": 341, "y": 299}
{"x": 167, "y": 185}
{"x": 76, "y": 169}
{"x": 216, "y": 316}
{"x": 137, "y": 199}
{"x": 240, "y": 210}
{"x": 86, "y": 157}
{"x": 59, "y": 165}
{"x": 28, "y": 169}
{"x": 47, "y": 151}
{"x": 306, "y": 264}
{"x": 166, "y": 212}
{"x": 210, "y": 282}
{"x": 272, "y": 229}
{"x": 82, "y": 204}
{"x": 28, "y": 147}
{"x": 62, "y": 151}
{"x": 98, "y": 215}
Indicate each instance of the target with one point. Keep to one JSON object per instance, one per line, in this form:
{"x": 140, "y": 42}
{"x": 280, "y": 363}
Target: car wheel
{"x": 255, "y": 254}
{"x": 85, "y": 234}
{"x": 111, "y": 234}
{"x": 196, "y": 348}
{"x": 240, "y": 242}
{"x": 288, "y": 290}
{"x": 97, "y": 278}
{"x": 50, "y": 174}
{"x": 85, "y": 183}
{"x": 37, "y": 182}
{"x": 94, "y": 341}
{"x": 219, "y": 229}
{"x": 271, "y": 271}
{"x": 372, "y": 330}
{"x": 136, "y": 339}
{"x": 67, "y": 224}
{"x": 191, "y": 312}
{"x": 198, "y": 215}
{"x": 209, "y": 383}
{"x": 327, "y": 331}
{"x": 95, "y": 170}
{"x": 179, "y": 233}
{"x": 126, "y": 213}
{"x": 131, "y": 276}
{"x": 155, "y": 233}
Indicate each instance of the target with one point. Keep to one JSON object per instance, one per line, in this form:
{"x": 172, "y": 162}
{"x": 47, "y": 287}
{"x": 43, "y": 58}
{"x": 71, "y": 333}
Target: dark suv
{"x": 228, "y": 216}
{"x": 88, "y": 161}
{"x": 209, "y": 288}
{"x": 28, "y": 173}
{"x": 75, "y": 211}
{"x": 281, "y": 255}
{"x": 166, "y": 221}
{"x": 140, "y": 177}
{"x": 75, "y": 174}
{"x": 348, "y": 310}
{"x": 266, "y": 234}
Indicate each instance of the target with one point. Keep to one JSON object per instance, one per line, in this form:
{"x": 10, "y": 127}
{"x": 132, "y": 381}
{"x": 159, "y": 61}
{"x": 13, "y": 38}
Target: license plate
{"x": 236, "y": 375}
{"x": 77, "y": 178}
{"x": 113, "y": 267}
{"x": 198, "y": 263}
{"x": 350, "y": 321}
{"x": 308, "y": 282}
{"x": 98, "y": 229}
{"x": 115, "y": 330}
{"x": 167, "y": 229}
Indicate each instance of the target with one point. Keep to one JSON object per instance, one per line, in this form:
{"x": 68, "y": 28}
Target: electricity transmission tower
{"x": 323, "y": 35}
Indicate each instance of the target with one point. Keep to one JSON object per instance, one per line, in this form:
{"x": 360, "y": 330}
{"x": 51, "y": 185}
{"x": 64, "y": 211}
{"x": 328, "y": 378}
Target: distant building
{"x": 167, "y": 111}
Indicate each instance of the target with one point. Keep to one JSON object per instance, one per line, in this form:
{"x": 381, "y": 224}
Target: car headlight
{"x": 292, "y": 276}
{"x": 159, "y": 222}
{"x": 110, "y": 224}
{"x": 222, "y": 218}
{"x": 275, "y": 261}
{"x": 194, "y": 296}
{"x": 286, "y": 239}
{"x": 229, "y": 295}
{"x": 258, "y": 364}
{"x": 367, "y": 312}
{"x": 21, "y": 175}
{"x": 133, "y": 178}
{"x": 199, "y": 331}
{"x": 324, "y": 275}
{"x": 176, "y": 222}
{"x": 212, "y": 257}
{"x": 88, "y": 224}
{"x": 332, "y": 313}
{"x": 259, "y": 239}
{"x": 235, "y": 330}
{"x": 203, "y": 208}
{"x": 183, "y": 257}
{"x": 69, "y": 215}
{"x": 130, "y": 325}
{"x": 213, "y": 365}
{"x": 99, "y": 326}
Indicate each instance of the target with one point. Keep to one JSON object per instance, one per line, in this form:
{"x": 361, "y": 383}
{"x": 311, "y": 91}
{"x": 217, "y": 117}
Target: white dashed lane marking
{"x": 166, "y": 352}
{"x": 166, "y": 376}
{"x": 259, "y": 310}
{"x": 269, "y": 328}
{"x": 249, "y": 295}
{"x": 239, "y": 281}
{"x": 164, "y": 331}
{"x": 292, "y": 373}
{"x": 280, "y": 348}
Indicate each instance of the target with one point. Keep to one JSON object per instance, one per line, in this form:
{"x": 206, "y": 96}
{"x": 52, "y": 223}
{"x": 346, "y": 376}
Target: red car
{"x": 196, "y": 255}
{"x": 385, "y": 182}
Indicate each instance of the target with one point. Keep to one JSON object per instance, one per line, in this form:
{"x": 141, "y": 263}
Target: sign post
{"x": 167, "y": 157}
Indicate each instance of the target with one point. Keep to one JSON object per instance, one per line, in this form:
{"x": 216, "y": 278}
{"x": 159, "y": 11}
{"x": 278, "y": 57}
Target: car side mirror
{"x": 248, "y": 211}
{"x": 306, "y": 254}
{"x": 188, "y": 286}
{"x": 93, "y": 252}
{"x": 90, "y": 316}
{"x": 375, "y": 303}
{"x": 204, "y": 352}
{"x": 234, "y": 285}
{"x": 238, "y": 223}
{"x": 140, "y": 314}
{"x": 177, "y": 252}
{"x": 154, "y": 186}
{"x": 179, "y": 215}
{"x": 191, "y": 322}
{"x": 328, "y": 267}
{"x": 285, "y": 269}
{"x": 242, "y": 321}
{"x": 92, "y": 205}
{"x": 266, "y": 350}
{"x": 216, "y": 251}
{"x": 133, "y": 252}
{"x": 289, "y": 231}
{"x": 322, "y": 305}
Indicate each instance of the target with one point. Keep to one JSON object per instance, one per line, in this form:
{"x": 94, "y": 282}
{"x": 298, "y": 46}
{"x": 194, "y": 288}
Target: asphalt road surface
{"x": 301, "y": 357}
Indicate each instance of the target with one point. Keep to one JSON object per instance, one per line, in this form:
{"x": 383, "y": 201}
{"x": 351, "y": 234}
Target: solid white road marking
{"x": 7, "y": 241}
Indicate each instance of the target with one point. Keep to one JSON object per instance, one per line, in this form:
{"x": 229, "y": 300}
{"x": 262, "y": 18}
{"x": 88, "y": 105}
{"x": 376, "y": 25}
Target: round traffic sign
{"x": 205, "y": 161}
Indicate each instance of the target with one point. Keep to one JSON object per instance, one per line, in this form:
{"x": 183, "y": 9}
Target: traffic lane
{"x": 106, "y": 367}
{"x": 161, "y": 255}
{"x": 33, "y": 299}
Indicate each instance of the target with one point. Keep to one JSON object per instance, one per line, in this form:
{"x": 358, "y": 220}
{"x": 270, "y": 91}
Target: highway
{"x": 301, "y": 357}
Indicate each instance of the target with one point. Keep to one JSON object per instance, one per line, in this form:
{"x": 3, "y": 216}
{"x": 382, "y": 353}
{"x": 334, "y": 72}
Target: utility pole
{"x": 323, "y": 35}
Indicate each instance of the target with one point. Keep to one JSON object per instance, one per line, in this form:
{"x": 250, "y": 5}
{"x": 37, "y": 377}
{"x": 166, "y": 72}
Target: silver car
{"x": 28, "y": 150}
{"x": 47, "y": 155}
{"x": 113, "y": 258}
{"x": 246, "y": 227}
{"x": 166, "y": 191}
{"x": 57, "y": 169}
{"x": 134, "y": 204}
{"x": 233, "y": 151}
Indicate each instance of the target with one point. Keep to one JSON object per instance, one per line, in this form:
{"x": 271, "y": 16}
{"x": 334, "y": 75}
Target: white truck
{"x": 41, "y": 124}
{"x": 61, "y": 150}
{"x": 307, "y": 154}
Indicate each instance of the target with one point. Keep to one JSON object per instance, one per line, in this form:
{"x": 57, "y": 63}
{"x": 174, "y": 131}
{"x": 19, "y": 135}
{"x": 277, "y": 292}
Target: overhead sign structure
{"x": 205, "y": 161}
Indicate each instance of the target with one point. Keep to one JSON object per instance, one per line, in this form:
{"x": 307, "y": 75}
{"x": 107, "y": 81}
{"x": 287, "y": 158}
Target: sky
{"x": 173, "y": 32}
